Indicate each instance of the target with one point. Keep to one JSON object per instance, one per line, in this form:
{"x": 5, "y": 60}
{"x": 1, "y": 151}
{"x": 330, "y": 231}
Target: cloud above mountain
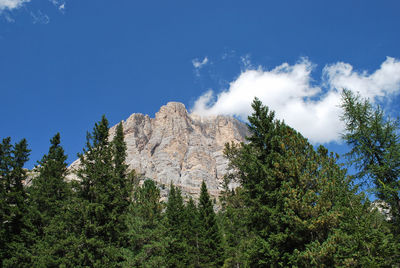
{"x": 290, "y": 90}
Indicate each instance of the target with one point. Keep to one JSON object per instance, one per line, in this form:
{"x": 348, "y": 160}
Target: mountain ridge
{"x": 179, "y": 147}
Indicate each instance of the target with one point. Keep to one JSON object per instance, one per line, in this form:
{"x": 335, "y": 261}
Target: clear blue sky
{"x": 65, "y": 63}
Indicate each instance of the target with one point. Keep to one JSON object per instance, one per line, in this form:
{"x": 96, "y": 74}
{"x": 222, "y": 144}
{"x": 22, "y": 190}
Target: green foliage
{"x": 295, "y": 207}
{"x": 176, "y": 255}
{"x": 147, "y": 229}
{"x": 209, "y": 236}
{"x": 191, "y": 228}
{"x": 48, "y": 195}
{"x": 15, "y": 227}
{"x": 236, "y": 236}
{"x": 49, "y": 190}
{"x": 296, "y": 198}
{"x": 375, "y": 149}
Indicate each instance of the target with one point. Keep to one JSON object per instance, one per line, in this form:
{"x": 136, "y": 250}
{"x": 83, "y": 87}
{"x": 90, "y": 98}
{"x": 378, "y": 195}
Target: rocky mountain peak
{"x": 181, "y": 148}
{"x": 172, "y": 109}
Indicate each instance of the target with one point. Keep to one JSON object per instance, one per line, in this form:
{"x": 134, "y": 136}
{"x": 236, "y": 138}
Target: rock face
{"x": 181, "y": 148}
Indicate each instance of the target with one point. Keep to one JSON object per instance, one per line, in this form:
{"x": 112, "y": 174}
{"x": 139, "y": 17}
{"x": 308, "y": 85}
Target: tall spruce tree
{"x": 176, "y": 252}
{"x": 104, "y": 194}
{"x": 209, "y": 235}
{"x": 122, "y": 189}
{"x": 49, "y": 189}
{"x": 48, "y": 195}
{"x": 149, "y": 239}
{"x": 296, "y": 198}
{"x": 191, "y": 234}
{"x": 16, "y": 229}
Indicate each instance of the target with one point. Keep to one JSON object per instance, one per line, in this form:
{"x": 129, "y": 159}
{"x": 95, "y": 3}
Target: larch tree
{"x": 374, "y": 140}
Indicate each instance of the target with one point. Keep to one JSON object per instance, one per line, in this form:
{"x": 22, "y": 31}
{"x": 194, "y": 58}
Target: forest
{"x": 297, "y": 205}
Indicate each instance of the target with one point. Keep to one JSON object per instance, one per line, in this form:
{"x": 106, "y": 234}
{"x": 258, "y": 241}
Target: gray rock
{"x": 179, "y": 147}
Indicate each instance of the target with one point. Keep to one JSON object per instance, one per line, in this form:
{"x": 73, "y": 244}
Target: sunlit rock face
{"x": 181, "y": 148}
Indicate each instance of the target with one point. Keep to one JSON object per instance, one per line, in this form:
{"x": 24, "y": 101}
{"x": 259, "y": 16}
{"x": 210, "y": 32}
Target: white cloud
{"x": 199, "y": 64}
{"x": 383, "y": 81}
{"x": 289, "y": 91}
{"x": 11, "y": 4}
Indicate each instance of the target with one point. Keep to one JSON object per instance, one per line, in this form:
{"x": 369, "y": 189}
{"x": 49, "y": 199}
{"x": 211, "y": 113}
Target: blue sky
{"x": 65, "y": 63}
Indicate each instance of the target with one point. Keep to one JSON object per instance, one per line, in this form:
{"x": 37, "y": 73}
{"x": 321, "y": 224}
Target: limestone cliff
{"x": 180, "y": 147}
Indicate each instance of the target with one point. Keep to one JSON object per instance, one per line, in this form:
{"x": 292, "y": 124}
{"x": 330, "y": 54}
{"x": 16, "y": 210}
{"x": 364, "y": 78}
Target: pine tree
{"x": 16, "y": 229}
{"x": 209, "y": 236}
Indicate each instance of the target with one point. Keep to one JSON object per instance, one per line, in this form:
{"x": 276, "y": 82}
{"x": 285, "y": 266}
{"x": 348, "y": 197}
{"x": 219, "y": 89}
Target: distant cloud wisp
{"x": 11, "y": 4}
{"x": 40, "y": 17}
{"x": 60, "y": 4}
{"x": 289, "y": 90}
{"x": 199, "y": 64}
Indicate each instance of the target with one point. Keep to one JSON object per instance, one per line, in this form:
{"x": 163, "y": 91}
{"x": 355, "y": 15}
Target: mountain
{"x": 180, "y": 147}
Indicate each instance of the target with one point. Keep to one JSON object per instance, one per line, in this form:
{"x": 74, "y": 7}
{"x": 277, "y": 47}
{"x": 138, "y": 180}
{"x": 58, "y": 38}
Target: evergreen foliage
{"x": 191, "y": 227}
{"x": 209, "y": 236}
{"x": 49, "y": 190}
{"x": 147, "y": 229}
{"x": 16, "y": 234}
{"x": 48, "y": 195}
{"x": 296, "y": 197}
{"x": 176, "y": 252}
{"x": 296, "y": 206}
{"x": 104, "y": 197}
{"x": 375, "y": 149}
{"x": 236, "y": 235}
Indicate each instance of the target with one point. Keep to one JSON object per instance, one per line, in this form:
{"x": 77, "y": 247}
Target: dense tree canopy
{"x": 296, "y": 205}
{"x": 297, "y": 198}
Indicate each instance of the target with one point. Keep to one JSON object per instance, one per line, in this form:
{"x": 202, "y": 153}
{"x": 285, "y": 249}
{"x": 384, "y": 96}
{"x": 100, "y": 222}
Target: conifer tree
{"x": 176, "y": 255}
{"x": 48, "y": 195}
{"x": 122, "y": 189}
{"x": 191, "y": 234}
{"x": 16, "y": 229}
{"x": 104, "y": 193}
{"x": 49, "y": 189}
{"x": 375, "y": 150}
{"x": 209, "y": 236}
{"x": 233, "y": 215}
{"x": 296, "y": 197}
{"x": 147, "y": 229}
